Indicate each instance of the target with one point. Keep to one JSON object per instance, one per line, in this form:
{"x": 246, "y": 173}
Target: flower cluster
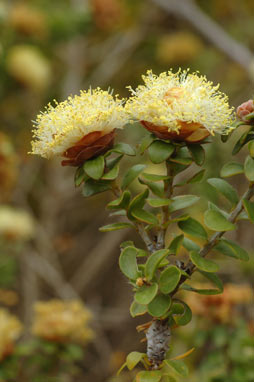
{"x": 177, "y": 106}
{"x": 62, "y": 321}
{"x": 10, "y": 331}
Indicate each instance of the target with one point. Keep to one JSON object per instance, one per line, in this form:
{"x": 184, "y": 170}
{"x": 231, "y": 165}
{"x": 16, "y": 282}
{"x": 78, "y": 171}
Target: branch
{"x": 190, "y": 268}
{"x": 151, "y": 246}
{"x": 168, "y": 190}
{"x": 210, "y": 30}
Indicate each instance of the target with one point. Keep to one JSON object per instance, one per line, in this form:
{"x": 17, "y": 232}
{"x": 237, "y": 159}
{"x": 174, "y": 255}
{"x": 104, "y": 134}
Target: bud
{"x": 245, "y": 109}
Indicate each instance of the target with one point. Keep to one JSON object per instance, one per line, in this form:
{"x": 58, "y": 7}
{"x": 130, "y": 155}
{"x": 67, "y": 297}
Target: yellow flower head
{"x": 10, "y": 331}
{"x": 180, "y": 101}
{"x": 65, "y": 125}
{"x": 62, "y": 321}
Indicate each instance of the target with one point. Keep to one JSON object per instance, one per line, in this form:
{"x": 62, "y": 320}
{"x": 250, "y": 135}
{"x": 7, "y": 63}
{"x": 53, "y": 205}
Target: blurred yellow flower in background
{"x": 10, "y": 331}
{"x": 178, "y": 48}
{"x": 15, "y": 224}
{"x": 62, "y": 321}
{"x": 180, "y": 106}
{"x": 29, "y": 66}
{"x": 80, "y": 127}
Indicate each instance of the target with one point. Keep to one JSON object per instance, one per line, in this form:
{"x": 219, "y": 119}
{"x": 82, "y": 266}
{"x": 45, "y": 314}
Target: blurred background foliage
{"x": 50, "y": 247}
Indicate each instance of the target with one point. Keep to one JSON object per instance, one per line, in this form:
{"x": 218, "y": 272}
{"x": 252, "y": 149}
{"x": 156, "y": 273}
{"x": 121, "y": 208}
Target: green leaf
{"x": 205, "y": 292}
{"x": 118, "y": 213}
{"x": 169, "y": 279}
{"x": 142, "y": 253}
{"x": 175, "y": 244}
{"x": 146, "y": 294}
{"x": 225, "y": 189}
{"x": 180, "y": 218}
{"x": 154, "y": 177}
{"x": 95, "y": 167}
{"x": 137, "y": 309}
{"x": 196, "y": 178}
{"x": 198, "y": 154}
{"x": 159, "y": 306}
{"x": 80, "y": 176}
{"x": 223, "y": 248}
{"x": 156, "y": 188}
{"x": 239, "y": 251}
{"x": 121, "y": 202}
{"x": 245, "y": 138}
{"x": 177, "y": 308}
{"x": 132, "y": 174}
{"x": 145, "y": 143}
{"x": 133, "y": 359}
{"x": 181, "y": 160}
{"x": 128, "y": 263}
{"x": 149, "y": 376}
{"x": 203, "y": 263}
{"x": 112, "y": 174}
{"x": 215, "y": 221}
{"x": 231, "y": 169}
{"x": 177, "y": 168}
{"x": 144, "y": 216}
{"x": 251, "y": 148}
{"x": 153, "y": 262}
{"x": 114, "y": 227}
{"x": 249, "y": 168}
{"x": 213, "y": 278}
{"x": 178, "y": 366}
{"x": 92, "y": 187}
{"x": 127, "y": 243}
{"x": 193, "y": 228}
{"x": 158, "y": 202}
{"x": 112, "y": 162}
{"x": 249, "y": 208}
{"x": 159, "y": 151}
{"x": 182, "y": 201}
{"x": 186, "y": 317}
{"x": 138, "y": 202}
{"x": 213, "y": 207}
{"x": 190, "y": 245}
{"x": 122, "y": 148}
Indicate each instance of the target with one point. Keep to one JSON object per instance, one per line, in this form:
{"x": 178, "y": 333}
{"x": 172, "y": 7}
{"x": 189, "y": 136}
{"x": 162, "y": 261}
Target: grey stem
{"x": 158, "y": 338}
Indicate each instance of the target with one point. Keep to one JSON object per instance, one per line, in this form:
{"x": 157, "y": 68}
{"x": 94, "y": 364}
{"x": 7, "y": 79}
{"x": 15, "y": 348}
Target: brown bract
{"x": 90, "y": 146}
{"x": 189, "y": 132}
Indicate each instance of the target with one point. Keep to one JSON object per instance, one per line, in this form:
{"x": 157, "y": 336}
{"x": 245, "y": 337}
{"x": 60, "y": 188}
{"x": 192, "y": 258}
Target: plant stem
{"x": 168, "y": 190}
{"x": 115, "y": 189}
{"x": 151, "y": 246}
{"x": 190, "y": 268}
